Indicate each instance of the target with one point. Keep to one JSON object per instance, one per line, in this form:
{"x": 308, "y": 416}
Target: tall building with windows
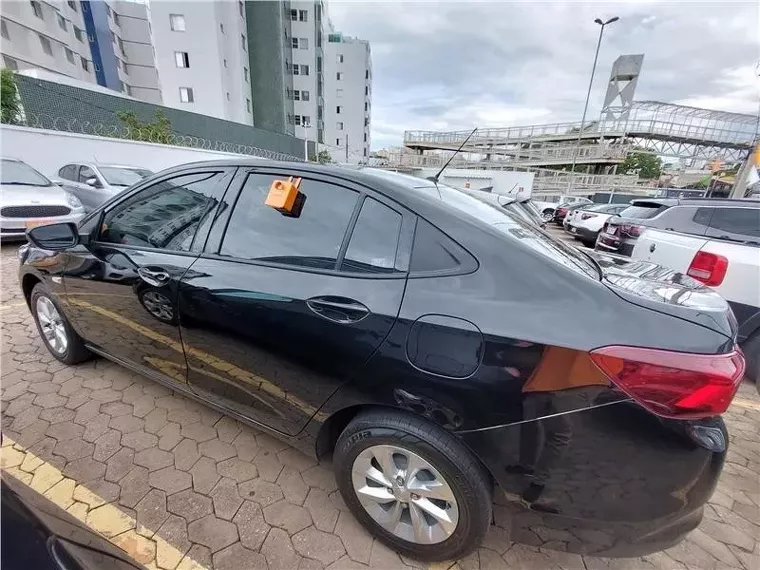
{"x": 202, "y": 57}
{"x": 348, "y": 98}
{"x": 88, "y": 41}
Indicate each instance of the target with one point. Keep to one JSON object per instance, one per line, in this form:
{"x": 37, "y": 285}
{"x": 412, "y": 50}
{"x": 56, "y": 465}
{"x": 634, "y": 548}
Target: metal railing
{"x": 149, "y": 135}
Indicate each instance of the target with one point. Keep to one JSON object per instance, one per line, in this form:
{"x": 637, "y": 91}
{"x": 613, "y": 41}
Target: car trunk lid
{"x": 667, "y": 291}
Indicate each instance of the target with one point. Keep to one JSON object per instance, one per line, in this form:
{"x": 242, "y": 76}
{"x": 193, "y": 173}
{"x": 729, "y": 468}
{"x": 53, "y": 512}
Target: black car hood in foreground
{"x": 667, "y": 291}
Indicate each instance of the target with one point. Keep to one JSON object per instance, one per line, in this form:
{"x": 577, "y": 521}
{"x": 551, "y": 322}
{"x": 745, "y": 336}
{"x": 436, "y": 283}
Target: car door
{"x": 67, "y": 176}
{"x": 122, "y": 288}
{"x": 280, "y": 310}
{"x": 90, "y": 196}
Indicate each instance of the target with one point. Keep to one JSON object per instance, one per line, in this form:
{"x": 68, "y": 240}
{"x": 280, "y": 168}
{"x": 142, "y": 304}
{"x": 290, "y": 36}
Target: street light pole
{"x": 306, "y": 142}
{"x": 588, "y": 95}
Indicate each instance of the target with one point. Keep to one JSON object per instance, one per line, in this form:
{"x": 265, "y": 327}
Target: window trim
{"x": 405, "y": 241}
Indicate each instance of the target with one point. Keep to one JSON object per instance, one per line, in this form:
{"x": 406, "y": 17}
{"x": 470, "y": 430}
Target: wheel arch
{"x": 28, "y": 282}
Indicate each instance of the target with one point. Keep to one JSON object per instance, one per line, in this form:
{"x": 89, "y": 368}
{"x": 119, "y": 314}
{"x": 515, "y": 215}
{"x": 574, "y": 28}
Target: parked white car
{"x": 547, "y": 208}
{"x": 586, "y": 223}
{"x": 716, "y": 242}
{"x": 29, "y": 199}
{"x": 94, "y": 183}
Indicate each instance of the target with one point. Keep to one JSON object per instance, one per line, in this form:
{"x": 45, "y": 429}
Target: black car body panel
{"x": 457, "y": 328}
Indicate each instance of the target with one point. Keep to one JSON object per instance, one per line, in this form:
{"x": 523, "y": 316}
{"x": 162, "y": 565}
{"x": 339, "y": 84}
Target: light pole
{"x": 588, "y": 95}
{"x": 306, "y": 142}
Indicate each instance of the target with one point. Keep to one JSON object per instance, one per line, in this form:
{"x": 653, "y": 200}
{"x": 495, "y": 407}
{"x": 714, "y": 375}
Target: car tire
{"x": 53, "y": 324}
{"x": 547, "y": 215}
{"x": 437, "y": 456}
{"x": 751, "y": 348}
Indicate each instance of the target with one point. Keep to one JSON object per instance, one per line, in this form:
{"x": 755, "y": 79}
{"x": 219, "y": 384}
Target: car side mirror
{"x": 54, "y": 237}
{"x": 92, "y": 182}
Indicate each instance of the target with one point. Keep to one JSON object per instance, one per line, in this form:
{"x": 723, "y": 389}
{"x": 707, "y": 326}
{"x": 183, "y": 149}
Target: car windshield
{"x": 499, "y": 218}
{"x": 119, "y": 176}
{"x": 599, "y": 208}
{"x": 17, "y": 172}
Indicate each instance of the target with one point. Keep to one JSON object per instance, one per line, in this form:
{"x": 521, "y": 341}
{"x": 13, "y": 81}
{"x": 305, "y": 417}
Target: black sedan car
{"x": 408, "y": 332}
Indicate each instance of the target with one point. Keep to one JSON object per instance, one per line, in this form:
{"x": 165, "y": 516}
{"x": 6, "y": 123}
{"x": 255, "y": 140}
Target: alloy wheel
{"x": 52, "y": 325}
{"x": 405, "y": 494}
{"x": 158, "y": 305}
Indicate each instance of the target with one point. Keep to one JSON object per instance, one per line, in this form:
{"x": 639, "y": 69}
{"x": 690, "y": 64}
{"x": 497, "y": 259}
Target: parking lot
{"x": 178, "y": 485}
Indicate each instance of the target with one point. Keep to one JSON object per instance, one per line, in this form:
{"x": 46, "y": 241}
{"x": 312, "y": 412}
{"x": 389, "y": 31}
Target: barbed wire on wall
{"x": 150, "y": 135}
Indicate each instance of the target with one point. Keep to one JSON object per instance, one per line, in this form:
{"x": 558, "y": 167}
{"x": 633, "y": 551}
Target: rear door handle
{"x": 155, "y": 277}
{"x": 340, "y": 310}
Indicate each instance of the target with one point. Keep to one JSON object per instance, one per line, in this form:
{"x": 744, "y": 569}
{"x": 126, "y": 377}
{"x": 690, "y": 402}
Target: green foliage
{"x": 324, "y": 157}
{"x": 158, "y": 131}
{"x": 10, "y": 105}
{"x": 648, "y": 166}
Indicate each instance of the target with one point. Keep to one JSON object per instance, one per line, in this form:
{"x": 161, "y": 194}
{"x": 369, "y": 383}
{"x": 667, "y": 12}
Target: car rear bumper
{"x": 625, "y": 483}
{"x": 15, "y": 228}
{"x": 614, "y": 244}
{"x": 582, "y": 233}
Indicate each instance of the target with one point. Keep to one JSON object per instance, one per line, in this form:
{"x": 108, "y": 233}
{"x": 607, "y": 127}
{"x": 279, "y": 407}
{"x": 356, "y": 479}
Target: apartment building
{"x": 83, "y": 40}
{"x": 202, "y": 57}
{"x": 348, "y": 98}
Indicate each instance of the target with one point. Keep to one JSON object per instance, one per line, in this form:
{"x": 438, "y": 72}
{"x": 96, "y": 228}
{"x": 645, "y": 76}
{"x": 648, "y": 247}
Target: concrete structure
{"x": 348, "y": 97}
{"x": 202, "y": 57}
{"x": 87, "y": 41}
{"x": 269, "y": 52}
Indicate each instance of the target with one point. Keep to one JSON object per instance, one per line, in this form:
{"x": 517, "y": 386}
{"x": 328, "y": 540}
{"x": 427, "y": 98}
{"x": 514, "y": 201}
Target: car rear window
{"x": 643, "y": 211}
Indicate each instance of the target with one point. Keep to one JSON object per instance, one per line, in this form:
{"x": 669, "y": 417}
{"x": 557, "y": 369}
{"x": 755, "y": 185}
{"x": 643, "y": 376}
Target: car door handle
{"x": 341, "y": 310}
{"x": 155, "y": 277}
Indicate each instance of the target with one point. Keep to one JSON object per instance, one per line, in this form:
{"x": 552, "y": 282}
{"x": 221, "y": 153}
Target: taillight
{"x": 587, "y": 216}
{"x": 673, "y": 384}
{"x": 630, "y": 230}
{"x": 708, "y": 268}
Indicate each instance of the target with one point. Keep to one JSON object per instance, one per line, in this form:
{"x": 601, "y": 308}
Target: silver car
{"x": 94, "y": 183}
{"x": 29, "y": 199}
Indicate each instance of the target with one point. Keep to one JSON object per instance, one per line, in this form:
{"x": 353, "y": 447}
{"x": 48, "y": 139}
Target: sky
{"x": 458, "y": 65}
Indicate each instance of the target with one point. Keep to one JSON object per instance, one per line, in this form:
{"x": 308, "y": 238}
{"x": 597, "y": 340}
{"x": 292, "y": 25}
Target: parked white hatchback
{"x": 586, "y": 223}
{"x": 29, "y": 199}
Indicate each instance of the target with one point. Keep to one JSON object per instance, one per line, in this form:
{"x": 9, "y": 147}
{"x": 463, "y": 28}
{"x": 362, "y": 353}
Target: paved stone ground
{"x": 180, "y": 486}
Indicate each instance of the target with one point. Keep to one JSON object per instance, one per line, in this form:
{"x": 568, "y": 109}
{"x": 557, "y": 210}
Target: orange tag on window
{"x": 282, "y": 194}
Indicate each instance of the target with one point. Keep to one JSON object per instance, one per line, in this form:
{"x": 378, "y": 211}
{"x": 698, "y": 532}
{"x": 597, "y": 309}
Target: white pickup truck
{"x": 716, "y": 242}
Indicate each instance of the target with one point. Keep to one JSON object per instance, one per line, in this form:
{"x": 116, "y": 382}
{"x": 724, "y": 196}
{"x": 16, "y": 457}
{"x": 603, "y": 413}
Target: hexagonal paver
{"x": 96, "y": 427}
{"x": 153, "y": 459}
{"x": 50, "y": 400}
{"x": 358, "y": 542}
{"x": 57, "y": 415}
{"x": 65, "y": 431}
{"x": 97, "y": 493}
{"x": 168, "y": 436}
{"x": 116, "y": 409}
{"x": 204, "y": 475}
{"x": 237, "y": 557}
{"x": 74, "y": 449}
{"x": 279, "y": 551}
{"x": 171, "y": 542}
{"x": 292, "y": 485}
{"x": 288, "y": 516}
{"x": 226, "y": 498}
{"x": 260, "y": 491}
{"x": 85, "y": 469}
{"x": 139, "y": 440}
{"x": 186, "y": 454}
{"x": 189, "y": 505}
{"x": 323, "y": 512}
{"x": 245, "y": 444}
{"x": 236, "y": 469}
{"x": 170, "y": 480}
{"x": 126, "y": 423}
{"x": 119, "y": 464}
{"x": 151, "y": 510}
{"x": 320, "y": 477}
{"x": 217, "y": 449}
{"x": 155, "y": 420}
{"x": 107, "y": 445}
{"x": 212, "y": 532}
{"x": 197, "y": 558}
{"x": 227, "y": 429}
{"x": 268, "y": 465}
{"x": 251, "y": 525}
{"x": 199, "y": 432}
{"x": 134, "y": 486}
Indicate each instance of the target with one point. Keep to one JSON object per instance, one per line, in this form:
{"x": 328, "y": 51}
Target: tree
{"x": 10, "y": 105}
{"x": 645, "y": 164}
{"x": 158, "y": 131}
{"x": 324, "y": 157}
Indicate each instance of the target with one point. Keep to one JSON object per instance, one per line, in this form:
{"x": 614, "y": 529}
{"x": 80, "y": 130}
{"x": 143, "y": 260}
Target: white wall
{"x": 503, "y": 182}
{"x": 48, "y": 151}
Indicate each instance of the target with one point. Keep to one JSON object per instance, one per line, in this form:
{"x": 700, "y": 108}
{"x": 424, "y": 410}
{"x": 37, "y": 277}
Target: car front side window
{"x": 165, "y": 215}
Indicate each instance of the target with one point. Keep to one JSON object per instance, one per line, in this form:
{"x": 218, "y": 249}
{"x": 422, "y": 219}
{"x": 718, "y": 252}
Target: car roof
{"x": 107, "y": 165}
{"x": 655, "y": 201}
{"x": 707, "y": 202}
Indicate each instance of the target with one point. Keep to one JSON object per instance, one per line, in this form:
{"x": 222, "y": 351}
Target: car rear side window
{"x": 86, "y": 172}
{"x": 684, "y": 219}
{"x": 374, "y": 240}
{"x": 164, "y": 215}
{"x": 742, "y": 224}
{"x": 642, "y": 211}
{"x": 68, "y": 172}
{"x": 434, "y": 252}
{"x": 312, "y": 239}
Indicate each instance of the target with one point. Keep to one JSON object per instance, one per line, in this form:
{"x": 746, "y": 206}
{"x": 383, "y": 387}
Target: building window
{"x": 339, "y": 92}
{"x": 78, "y": 34}
{"x": 294, "y": 42}
{"x": 338, "y": 109}
{"x": 296, "y": 95}
{"x": 366, "y": 106}
{"x": 366, "y": 122}
{"x": 297, "y": 120}
{"x": 294, "y": 15}
{"x": 339, "y": 125}
{"x": 121, "y": 45}
{"x": 366, "y": 74}
{"x": 72, "y": 5}
{"x": 304, "y": 70}
{"x": 248, "y": 105}
{"x": 340, "y": 58}
{"x": 69, "y": 55}
{"x": 306, "y": 121}
{"x": 304, "y": 43}
{"x": 116, "y": 21}
{"x": 228, "y": 95}
{"x": 295, "y": 69}
{"x": 186, "y": 94}
{"x": 242, "y": 40}
{"x": 365, "y": 137}
{"x": 303, "y": 15}
{"x": 4, "y": 30}
{"x": 337, "y": 142}
{"x": 366, "y": 90}
{"x": 61, "y": 22}
{"x": 181, "y": 59}
{"x": 240, "y": 7}
{"x": 304, "y": 95}
{"x": 245, "y": 74}
{"x": 46, "y": 45}
{"x": 338, "y": 76}
{"x": 85, "y": 64}
{"x": 10, "y": 63}
{"x": 177, "y": 22}
{"x": 37, "y": 8}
